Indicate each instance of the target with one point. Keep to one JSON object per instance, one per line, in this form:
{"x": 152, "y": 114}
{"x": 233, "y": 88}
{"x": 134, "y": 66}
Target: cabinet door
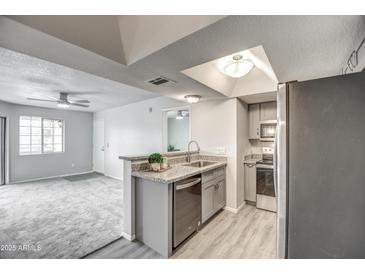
{"x": 220, "y": 195}
{"x": 254, "y": 121}
{"x": 250, "y": 182}
{"x": 268, "y": 111}
{"x": 208, "y": 193}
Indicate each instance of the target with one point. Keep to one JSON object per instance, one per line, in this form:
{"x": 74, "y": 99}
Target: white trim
{"x": 114, "y": 177}
{"x": 7, "y": 152}
{"x": 177, "y": 108}
{"x": 50, "y": 177}
{"x": 42, "y": 137}
{"x": 128, "y": 237}
{"x": 7, "y": 148}
{"x": 235, "y": 210}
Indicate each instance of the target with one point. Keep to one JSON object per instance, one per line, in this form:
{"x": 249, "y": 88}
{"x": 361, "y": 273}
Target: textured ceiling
{"x": 297, "y": 47}
{"x": 22, "y": 76}
{"x": 97, "y": 33}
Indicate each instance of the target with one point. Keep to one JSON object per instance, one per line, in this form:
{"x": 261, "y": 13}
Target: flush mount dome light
{"x": 192, "y": 98}
{"x": 238, "y": 67}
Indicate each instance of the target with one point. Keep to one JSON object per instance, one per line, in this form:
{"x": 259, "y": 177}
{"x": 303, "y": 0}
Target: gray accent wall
{"x": 77, "y": 157}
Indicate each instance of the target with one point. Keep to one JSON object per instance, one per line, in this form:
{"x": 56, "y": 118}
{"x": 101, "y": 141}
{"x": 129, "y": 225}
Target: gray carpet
{"x": 58, "y": 218}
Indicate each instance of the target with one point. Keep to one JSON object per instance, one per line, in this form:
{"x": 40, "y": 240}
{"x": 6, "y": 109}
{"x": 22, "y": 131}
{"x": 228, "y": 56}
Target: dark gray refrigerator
{"x": 322, "y": 181}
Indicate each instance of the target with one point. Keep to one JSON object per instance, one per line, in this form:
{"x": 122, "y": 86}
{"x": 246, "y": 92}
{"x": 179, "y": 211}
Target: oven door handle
{"x": 264, "y": 166}
{"x": 190, "y": 184}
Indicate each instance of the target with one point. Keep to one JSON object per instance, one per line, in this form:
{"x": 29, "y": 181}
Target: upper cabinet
{"x": 254, "y": 121}
{"x": 268, "y": 111}
{"x": 257, "y": 113}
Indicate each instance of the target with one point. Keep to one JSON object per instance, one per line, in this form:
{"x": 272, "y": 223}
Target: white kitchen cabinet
{"x": 213, "y": 192}
{"x": 268, "y": 111}
{"x": 254, "y": 121}
{"x": 250, "y": 182}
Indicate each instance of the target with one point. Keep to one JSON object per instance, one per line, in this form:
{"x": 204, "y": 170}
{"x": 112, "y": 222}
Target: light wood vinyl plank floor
{"x": 124, "y": 249}
{"x": 249, "y": 234}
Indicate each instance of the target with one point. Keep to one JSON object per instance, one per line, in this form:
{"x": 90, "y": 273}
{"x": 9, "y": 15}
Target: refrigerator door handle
{"x": 275, "y": 162}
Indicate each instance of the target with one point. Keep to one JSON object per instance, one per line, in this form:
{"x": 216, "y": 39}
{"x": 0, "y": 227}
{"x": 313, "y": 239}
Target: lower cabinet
{"x": 213, "y": 192}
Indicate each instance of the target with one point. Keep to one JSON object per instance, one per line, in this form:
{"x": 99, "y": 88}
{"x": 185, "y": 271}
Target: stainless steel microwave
{"x": 267, "y": 130}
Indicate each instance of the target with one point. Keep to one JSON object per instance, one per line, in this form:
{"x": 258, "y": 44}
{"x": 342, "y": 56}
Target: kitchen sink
{"x": 200, "y": 164}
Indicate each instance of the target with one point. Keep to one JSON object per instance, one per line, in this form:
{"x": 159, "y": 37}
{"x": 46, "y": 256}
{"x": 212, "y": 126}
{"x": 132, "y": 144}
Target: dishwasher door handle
{"x": 197, "y": 181}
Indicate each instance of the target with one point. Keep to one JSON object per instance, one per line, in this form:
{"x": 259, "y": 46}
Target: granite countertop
{"x": 176, "y": 173}
{"x": 145, "y": 157}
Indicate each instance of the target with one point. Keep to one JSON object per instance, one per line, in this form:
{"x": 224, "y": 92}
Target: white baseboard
{"x": 235, "y": 210}
{"x": 129, "y": 237}
{"x": 50, "y": 177}
{"x": 116, "y": 178}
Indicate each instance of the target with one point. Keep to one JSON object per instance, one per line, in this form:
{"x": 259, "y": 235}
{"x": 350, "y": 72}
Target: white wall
{"x": 243, "y": 146}
{"x": 132, "y": 129}
{"x": 214, "y": 127}
{"x": 178, "y": 133}
{"x": 4, "y": 108}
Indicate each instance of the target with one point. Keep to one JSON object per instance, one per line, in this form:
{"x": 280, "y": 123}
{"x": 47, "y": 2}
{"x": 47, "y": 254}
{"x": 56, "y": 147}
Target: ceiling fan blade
{"x": 79, "y": 105}
{"x": 79, "y": 101}
{"x": 75, "y": 93}
{"x": 43, "y": 100}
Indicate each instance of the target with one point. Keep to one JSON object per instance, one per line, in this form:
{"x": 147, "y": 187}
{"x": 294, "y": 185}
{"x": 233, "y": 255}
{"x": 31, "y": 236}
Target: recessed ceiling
{"x": 298, "y": 48}
{"x": 260, "y": 79}
{"x": 124, "y": 38}
{"x": 23, "y": 76}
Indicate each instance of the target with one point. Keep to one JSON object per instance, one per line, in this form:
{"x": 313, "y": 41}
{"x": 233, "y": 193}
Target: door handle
{"x": 197, "y": 181}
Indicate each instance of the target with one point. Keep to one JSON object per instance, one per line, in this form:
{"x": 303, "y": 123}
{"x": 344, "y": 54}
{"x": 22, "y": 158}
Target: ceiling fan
{"x": 64, "y": 102}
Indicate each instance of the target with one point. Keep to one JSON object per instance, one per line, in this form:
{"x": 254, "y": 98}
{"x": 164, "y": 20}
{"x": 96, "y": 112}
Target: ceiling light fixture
{"x": 179, "y": 115}
{"x": 63, "y": 105}
{"x": 238, "y": 67}
{"x": 192, "y": 99}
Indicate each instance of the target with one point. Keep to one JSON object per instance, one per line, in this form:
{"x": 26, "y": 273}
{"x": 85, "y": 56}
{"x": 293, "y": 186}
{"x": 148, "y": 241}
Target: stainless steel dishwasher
{"x": 187, "y": 208}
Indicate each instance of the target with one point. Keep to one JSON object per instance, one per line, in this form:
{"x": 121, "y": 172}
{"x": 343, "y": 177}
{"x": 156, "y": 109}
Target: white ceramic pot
{"x": 156, "y": 166}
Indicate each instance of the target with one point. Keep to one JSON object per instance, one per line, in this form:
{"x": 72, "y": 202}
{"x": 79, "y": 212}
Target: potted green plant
{"x": 155, "y": 160}
{"x": 170, "y": 148}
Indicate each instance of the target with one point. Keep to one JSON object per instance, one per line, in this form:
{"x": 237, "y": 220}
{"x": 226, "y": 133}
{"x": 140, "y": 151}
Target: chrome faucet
{"x": 188, "y": 154}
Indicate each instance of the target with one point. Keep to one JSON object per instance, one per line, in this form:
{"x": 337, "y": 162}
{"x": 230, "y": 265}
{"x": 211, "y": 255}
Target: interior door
{"x": 98, "y": 146}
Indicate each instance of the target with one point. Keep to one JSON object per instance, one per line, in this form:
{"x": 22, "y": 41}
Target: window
{"x": 39, "y": 135}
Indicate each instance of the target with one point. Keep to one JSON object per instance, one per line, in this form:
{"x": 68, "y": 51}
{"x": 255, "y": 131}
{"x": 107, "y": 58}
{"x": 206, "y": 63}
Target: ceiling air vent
{"x": 160, "y": 80}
